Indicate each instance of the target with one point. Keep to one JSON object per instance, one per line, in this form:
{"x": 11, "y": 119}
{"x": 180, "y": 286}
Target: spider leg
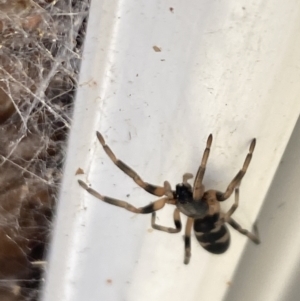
{"x": 253, "y": 236}
{"x": 198, "y": 187}
{"x": 177, "y": 223}
{"x": 226, "y": 216}
{"x": 187, "y": 240}
{"x": 146, "y": 209}
{"x": 238, "y": 178}
{"x": 153, "y": 189}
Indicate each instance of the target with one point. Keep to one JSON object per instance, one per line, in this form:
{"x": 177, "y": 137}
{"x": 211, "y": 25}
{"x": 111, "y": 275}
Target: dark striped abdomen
{"x": 212, "y": 239}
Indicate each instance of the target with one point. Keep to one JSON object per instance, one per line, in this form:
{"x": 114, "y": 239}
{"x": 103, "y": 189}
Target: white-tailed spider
{"x": 201, "y": 207}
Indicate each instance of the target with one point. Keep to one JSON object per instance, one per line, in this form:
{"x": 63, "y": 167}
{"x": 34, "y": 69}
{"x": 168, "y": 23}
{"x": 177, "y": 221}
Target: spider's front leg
{"x": 238, "y": 178}
{"x": 225, "y": 217}
{"x": 198, "y": 188}
{"x": 153, "y": 189}
{"x": 177, "y": 223}
{"x": 119, "y": 203}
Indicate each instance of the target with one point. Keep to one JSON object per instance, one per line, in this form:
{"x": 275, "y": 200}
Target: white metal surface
{"x": 272, "y": 271}
{"x": 230, "y": 69}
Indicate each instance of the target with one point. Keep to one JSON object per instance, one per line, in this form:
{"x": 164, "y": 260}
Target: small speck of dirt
{"x": 156, "y": 49}
{"x": 79, "y": 171}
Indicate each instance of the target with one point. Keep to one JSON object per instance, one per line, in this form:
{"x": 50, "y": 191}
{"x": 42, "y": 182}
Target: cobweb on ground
{"x": 40, "y": 52}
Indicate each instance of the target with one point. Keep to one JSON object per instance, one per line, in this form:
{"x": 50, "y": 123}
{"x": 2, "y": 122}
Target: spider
{"x": 202, "y": 207}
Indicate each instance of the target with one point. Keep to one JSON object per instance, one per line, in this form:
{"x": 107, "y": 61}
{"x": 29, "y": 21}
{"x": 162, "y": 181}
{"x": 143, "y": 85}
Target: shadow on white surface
{"x": 271, "y": 272}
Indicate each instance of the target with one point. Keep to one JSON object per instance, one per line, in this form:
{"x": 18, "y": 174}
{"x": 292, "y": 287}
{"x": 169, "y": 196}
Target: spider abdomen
{"x": 214, "y": 239}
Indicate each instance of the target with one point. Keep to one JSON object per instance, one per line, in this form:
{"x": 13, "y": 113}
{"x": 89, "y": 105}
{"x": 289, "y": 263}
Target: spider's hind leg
{"x": 253, "y": 236}
{"x": 153, "y": 189}
{"x": 187, "y": 240}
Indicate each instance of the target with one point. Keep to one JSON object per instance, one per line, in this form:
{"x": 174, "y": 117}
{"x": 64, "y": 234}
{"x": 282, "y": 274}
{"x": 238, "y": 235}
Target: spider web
{"x": 40, "y": 53}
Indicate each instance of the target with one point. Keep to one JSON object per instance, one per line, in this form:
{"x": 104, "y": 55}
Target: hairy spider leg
{"x": 238, "y": 178}
{"x": 187, "y": 240}
{"x": 158, "y": 204}
{"x": 253, "y": 236}
{"x": 226, "y": 216}
{"x": 153, "y": 189}
{"x": 198, "y": 188}
{"x": 177, "y": 223}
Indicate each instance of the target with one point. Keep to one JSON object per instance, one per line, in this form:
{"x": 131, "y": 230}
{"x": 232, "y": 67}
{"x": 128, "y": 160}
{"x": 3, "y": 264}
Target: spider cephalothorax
{"x": 184, "y": 193}
{"x": 202, "y": 207}
{"x": 186, "y": 203}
